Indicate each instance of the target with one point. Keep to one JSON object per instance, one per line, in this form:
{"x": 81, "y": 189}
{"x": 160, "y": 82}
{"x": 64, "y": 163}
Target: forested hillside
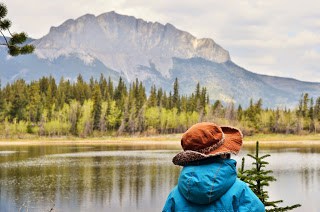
{"x": 100, "y": 107}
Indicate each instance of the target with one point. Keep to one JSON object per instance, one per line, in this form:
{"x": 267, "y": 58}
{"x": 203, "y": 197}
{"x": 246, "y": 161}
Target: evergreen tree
{"x": 271, "y": 122}
{"x": 19, "y": 101}
{"x": 92, "y": 83}
{"x": 159, "y": 97}
{"x": 131, "y": 110}
{"x": 110, "y": 92}
{"x": 14, "y": 44}
{"x": 300, "y": 106}
{"x": 184, "y": 103}
{"x": 1, "y": 103}
{"x": 192, "y": 103}
{"x": 170, "y": 102}
{"x": 61, "y": 94}
{"x": 311, "y": 116}
{"x": 152, "y": 100}
{"x": 165, "y": 100}
{"x": 74, "y": 116}
{"x": 59, "y": 107}
{"x": 258, "y": 106}
{"x": 253, "y": 113}
{"x": 49, "y": 97}
{"x": 141, "y": 97}
{"x": 317, "y": 109}
{"x": 239, "y": 113}
{"x": 79, "y": 89}
{"x": 299, "y": 113}
{"x": 120, "y": 94}
{"x": 203, "y": 99}
{"x": 176, "y": 97}
{"x": 97, "y": 104}
{"x": 258, "y": 178}
{"x": 50, "y": 94}
{"x": 197, "y": 98}
{"x": 305, "y": 105}
{"x": 103, "y": 86}
{"x": 277, "y": 120}
{"x": 34, "y": 104}
{"x": 197, "y": 92}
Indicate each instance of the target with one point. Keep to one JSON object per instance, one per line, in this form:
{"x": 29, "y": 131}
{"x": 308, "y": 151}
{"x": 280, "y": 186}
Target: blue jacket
{"x": 212, "y": 186}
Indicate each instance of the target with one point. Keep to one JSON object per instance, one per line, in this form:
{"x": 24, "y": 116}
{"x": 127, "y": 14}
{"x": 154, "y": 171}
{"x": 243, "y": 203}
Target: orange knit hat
{"x": 205, "y": 140}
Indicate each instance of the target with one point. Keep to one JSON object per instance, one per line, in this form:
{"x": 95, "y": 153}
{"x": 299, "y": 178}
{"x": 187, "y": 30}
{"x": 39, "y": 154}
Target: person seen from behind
{"x": 208, "y": 180}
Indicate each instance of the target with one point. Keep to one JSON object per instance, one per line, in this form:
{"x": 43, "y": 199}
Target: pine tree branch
{"x": 264, "y": 156}
{"x": 4, "y": 38}
{"x": 258, "y": 178}
{"x": 287, "y": 208}
{"x": 10, "y": 32}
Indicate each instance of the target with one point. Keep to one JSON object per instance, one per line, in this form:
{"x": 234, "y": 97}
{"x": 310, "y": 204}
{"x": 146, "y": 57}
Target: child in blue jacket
{"x": 208, "y": 180}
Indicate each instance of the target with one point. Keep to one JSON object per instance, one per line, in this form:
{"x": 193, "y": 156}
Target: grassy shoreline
{"x": 172, "y": 139}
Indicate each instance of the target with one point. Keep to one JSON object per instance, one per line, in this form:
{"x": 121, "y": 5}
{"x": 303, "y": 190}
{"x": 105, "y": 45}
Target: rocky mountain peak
{"x": 126, "y": 44}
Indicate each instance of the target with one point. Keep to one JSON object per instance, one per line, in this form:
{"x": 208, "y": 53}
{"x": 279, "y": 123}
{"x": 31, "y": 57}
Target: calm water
{"x": 128, "y": 178}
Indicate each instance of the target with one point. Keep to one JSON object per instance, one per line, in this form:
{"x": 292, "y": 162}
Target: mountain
{"x": 119, "y": 45}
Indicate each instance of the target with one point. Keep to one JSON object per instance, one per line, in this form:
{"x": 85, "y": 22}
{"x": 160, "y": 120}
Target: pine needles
{"x": 258, "y": 177}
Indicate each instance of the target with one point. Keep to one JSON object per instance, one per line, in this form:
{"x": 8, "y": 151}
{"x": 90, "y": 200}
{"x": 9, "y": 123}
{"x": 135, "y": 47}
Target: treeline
{"x": 100, "y": 107}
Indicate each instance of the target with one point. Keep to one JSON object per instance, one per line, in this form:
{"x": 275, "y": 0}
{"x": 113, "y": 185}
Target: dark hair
{"x": 225, "y": 156}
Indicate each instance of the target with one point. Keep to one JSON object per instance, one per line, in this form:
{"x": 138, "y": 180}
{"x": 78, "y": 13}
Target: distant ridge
{"x": 120, "y": 45}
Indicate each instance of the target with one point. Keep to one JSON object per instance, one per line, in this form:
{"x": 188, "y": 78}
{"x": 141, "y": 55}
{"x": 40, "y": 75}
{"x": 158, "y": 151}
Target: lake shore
{"x": 173, "y": 139}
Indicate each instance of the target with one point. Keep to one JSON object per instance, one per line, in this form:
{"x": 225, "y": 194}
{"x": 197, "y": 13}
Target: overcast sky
{"x": 273, "y": 37}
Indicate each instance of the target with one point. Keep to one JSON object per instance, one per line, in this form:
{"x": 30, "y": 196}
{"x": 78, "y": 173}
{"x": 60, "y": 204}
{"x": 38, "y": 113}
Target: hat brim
{"x": 232, "y": 144}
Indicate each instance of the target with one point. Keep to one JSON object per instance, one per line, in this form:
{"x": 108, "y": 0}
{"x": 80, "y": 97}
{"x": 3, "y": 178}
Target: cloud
{"x": 264, "y": 60}
{"x": 312, "y": 55}
{"x": 272, "y": 37}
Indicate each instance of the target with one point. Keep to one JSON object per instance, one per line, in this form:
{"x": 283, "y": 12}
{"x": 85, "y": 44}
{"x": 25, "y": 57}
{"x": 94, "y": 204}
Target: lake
{"x": 131, "y": 177}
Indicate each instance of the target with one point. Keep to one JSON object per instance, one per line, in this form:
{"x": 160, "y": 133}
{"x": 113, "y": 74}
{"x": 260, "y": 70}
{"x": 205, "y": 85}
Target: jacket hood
{"x": 206, "y": 183}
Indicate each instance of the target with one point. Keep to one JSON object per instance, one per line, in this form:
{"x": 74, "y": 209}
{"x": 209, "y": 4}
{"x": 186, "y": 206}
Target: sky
{"x": 272, "y": 37}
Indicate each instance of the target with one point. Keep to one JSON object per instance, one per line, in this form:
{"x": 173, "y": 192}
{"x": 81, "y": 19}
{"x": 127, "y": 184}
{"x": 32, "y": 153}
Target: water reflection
{"x": 82, "y": 179}
{"x": 129, "y": 178}
{"x": 297, "y": 170}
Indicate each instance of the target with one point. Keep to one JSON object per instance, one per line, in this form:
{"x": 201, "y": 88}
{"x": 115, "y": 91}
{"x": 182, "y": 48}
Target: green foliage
{"x": 14, "y": 44}
{"x": 85, "y": 125}
{"x": 19, "y": 101}
{"x": 113, "y": 115}
{"x": 100, "y": 108}
{"x": 258, "y": 178}
{"x": 152, "y": 116}
{"x": 97, "y": 105}
{"x": 317, "y": 109}
{"x": 34, "y": 104}
{"x": 253, "y": 114}
{"x": 176, "y": 97}
{"x": 2, "y": 105}
{"x": 74, "y": 115}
